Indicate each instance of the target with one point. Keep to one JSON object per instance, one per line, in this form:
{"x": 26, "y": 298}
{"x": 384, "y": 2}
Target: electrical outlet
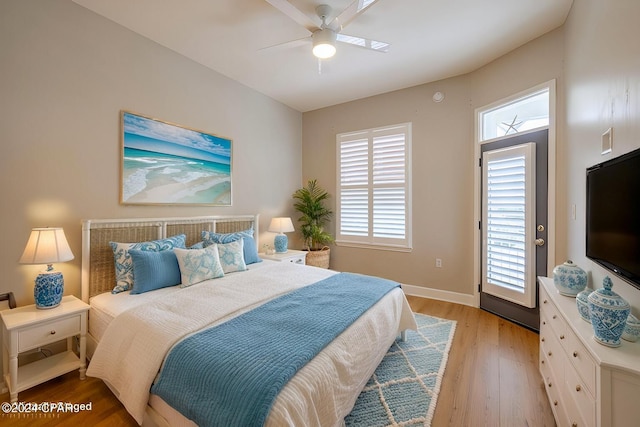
{"x": 438, "y": 263}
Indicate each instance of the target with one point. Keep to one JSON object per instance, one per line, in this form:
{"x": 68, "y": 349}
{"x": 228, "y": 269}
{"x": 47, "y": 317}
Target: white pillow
{"x": 198, "y": 265}
{"x": 232, "y": 256}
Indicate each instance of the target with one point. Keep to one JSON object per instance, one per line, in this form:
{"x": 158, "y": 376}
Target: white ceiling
{"x": 430, "y": 40}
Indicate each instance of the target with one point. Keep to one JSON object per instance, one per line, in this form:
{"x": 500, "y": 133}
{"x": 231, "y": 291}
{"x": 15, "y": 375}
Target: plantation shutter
{"x": 508, "y": 191}
{"x": 374, "y": 184}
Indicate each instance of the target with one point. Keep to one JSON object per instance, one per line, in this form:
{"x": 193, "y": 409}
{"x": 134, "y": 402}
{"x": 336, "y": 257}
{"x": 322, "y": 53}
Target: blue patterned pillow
{"x": 154, "y": 270}
{"x": 198, "y": 265}
{"x": 124, "y": 266}
{"x": 250, "y": 249}
{"x": 231, "y": 256}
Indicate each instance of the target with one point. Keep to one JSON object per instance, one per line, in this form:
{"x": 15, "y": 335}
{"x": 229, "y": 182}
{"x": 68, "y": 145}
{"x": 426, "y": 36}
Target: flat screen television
{"x": 613, "y": 215}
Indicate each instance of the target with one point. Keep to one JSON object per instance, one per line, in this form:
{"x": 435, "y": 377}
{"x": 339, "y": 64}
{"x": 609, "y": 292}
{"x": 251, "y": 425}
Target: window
{"x": 374, "y": 188}
{"x": 520, "y": 115}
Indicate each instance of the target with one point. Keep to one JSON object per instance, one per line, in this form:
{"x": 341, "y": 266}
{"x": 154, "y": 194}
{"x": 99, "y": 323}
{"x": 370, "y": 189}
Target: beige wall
{"x": 602, "y": 71}
{"x": 65, "y": 75}
{"x": 443, "y": 162}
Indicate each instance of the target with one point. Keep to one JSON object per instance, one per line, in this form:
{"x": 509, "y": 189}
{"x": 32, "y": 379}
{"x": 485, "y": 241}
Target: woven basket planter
{"x": 319, "y": 258}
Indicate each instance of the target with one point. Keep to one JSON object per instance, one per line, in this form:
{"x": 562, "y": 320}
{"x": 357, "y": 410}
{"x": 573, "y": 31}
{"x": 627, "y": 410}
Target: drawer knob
{"x": 549, "y": 353}
{"x": 555, "y": 403}
{"x": 52, "y": 332}
{"x": 578, "y": 388}
{"x": 554, "y": 316}
{"x": 574, "y": 424}
{"x": 575, "y": 354}
{"x": 544, "y": 302}
{"x": 561, "y": 337}
{"x": 549, "y": 384}
{"x": 544, "y": 323}
{"x": 542, "y": 362}
{"x": 542, "y": 339}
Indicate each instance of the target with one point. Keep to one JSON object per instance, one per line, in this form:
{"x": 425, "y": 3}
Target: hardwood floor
{"x": 491, "y": 379}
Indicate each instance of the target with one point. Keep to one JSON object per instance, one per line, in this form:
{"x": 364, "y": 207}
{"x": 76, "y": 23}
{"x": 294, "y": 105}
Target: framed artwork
{"x": 167, "y": 164}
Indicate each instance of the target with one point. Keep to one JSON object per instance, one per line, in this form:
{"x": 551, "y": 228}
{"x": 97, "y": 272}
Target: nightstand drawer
{"x": 48, "y": 332}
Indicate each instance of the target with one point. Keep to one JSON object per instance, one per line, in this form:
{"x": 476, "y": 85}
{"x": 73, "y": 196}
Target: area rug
{"x": 404, "y": 389}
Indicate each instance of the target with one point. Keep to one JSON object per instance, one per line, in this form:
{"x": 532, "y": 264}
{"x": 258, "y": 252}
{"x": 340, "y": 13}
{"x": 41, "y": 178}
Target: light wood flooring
{"x": 491, "y": 379}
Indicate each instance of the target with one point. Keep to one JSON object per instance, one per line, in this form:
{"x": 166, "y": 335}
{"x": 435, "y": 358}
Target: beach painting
{"x": 163, "y": 163}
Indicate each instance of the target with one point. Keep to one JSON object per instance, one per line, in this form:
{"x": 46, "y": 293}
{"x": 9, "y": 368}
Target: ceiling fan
{"x": 325, "y": 35}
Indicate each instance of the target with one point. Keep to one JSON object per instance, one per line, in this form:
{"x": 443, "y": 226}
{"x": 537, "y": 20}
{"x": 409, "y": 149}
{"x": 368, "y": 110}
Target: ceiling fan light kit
{"x": 325, "y": 35}
{"x": 324, "y": 43}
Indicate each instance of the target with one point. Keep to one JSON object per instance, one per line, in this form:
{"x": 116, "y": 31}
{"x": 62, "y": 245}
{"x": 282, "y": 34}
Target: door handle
{"x": 539, "y": 242}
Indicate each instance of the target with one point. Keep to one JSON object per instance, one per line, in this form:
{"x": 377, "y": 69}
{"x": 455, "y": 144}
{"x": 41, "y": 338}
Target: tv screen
{"x": 613, "y": 215}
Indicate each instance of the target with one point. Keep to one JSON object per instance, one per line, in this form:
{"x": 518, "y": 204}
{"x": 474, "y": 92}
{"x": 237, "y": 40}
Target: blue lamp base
{"x": 49, "y": 289}
{"x": 280, "y": 243}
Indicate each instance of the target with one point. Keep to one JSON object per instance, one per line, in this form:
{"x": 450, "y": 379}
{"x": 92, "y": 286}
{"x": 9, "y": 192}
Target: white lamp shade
{"x": 46, "y": 246}
{"x": 324, "y": 43}
{"x": 281, "y": 225}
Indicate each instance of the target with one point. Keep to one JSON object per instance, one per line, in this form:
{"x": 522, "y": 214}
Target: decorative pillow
{"x": 209, "y": 237}
{"x": 198, "y": 265}
{"x": 199, "y": 245}
{"x": 231, "y": 256}
{"x": 154, "y": 270}
{"x": 250, "y": 250}
{"x": 124, "y": 266}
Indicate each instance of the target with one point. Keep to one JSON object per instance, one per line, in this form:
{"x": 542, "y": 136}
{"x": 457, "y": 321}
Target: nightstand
{"x": 27, "y": 328}
{"x": 296, "y": 257}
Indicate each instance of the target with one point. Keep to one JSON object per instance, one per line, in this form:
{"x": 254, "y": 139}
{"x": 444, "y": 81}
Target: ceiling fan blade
{"x": 292, "y": 12}
{"x": 288, "y": 44}
{"x": 376, "y": 45}
{"x": 353, "y": 10}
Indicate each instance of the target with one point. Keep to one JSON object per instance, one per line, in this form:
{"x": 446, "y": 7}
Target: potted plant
{"x": 310, "y": 202}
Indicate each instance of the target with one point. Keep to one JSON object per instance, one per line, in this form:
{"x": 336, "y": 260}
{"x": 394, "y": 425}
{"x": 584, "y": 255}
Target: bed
{"x": 131, "y": 335}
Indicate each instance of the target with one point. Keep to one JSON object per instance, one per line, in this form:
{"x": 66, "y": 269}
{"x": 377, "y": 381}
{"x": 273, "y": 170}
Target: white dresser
{"x": 587, "y": 383}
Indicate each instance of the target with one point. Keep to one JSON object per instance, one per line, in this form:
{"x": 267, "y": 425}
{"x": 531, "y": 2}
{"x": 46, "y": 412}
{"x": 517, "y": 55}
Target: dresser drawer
{"x": 552, "y": 350}
{"x": 584, "y": 412}
{"x": 582, "y": 362}
{"x": 45, "y": 333}
{"x": 552, "y": 317}
{"x": 552, "y": 386}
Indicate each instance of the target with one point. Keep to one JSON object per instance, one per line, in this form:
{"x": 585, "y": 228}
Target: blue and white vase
{"x": 631, "y": 329}
{"x": 48, "y": 290}
{"x": 608, "y": 312}
{"x": 582, "y": 302}
{"x": 569, "y": 279}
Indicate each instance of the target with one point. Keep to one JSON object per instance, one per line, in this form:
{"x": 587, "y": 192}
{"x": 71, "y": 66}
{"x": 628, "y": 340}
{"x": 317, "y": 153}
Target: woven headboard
{"x": 98, "y": 271}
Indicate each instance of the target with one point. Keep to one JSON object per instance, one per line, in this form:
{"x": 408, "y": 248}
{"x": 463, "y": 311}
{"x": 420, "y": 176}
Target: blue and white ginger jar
{"x": 608, "y": 312}
{"x": 582, "y": 302}
{"x": 631, "y": 329}
{"x": 569, "y": 279}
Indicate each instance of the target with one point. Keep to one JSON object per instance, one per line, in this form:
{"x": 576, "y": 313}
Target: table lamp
{"x": 46, "y": 246}
{"x": 281, "y": 226}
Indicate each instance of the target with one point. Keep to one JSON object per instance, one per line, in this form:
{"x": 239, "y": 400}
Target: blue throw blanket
{"x": 230, "y": 375}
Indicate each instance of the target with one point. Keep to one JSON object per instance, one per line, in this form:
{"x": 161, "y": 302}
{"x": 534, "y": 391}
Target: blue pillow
{"x": 154, "y": 270}
{"x": 250, "y": 249}
{"x": 124, "y": 267}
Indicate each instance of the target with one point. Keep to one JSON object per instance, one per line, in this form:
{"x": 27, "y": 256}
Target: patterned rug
{"x": 404, "y": 388}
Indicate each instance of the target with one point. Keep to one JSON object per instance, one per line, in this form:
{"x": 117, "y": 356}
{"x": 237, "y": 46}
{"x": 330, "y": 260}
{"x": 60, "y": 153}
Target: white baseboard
{"x": 455, "y": 297}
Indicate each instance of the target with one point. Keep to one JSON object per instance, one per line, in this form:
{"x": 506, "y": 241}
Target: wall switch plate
{"x": 438, "y": 263}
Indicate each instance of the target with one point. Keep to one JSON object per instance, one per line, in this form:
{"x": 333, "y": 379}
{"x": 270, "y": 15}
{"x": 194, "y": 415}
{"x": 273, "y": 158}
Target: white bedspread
{"x": 134, "y": 345}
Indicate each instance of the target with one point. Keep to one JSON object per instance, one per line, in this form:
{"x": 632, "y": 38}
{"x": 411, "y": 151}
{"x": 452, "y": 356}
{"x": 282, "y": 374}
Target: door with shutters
{"x": 513, "y": 225}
